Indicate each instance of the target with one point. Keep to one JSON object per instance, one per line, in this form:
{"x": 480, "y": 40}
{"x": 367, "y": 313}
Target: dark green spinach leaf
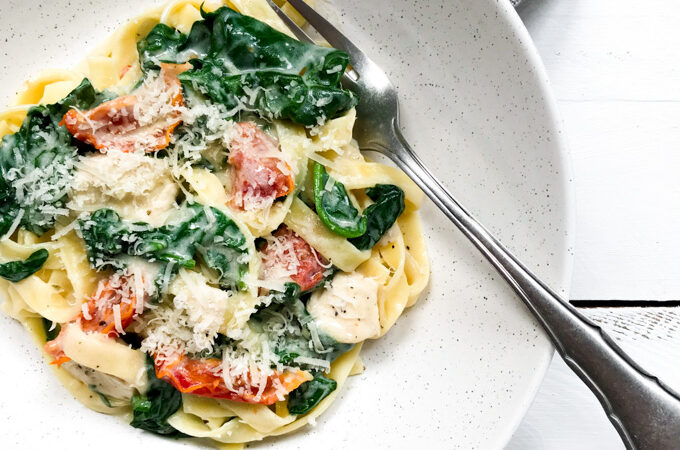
{"x": 245, "y": 64}
{"x": 291, "y": 292}
{"x": 203, "y": 231}
{"x": 18, "y": 270}
{"x": 152, "y": 409}
{"x": 51, "y": 329}
{"x": 381, "y": 215}
{"x": 336, "y": 211}
{"x": 310, "y": 394}
{"x": 166, "y": 44}
{"x": 133, "y": 340}
{"x": 334, "y": 207}
{"x": 37, "y": 163}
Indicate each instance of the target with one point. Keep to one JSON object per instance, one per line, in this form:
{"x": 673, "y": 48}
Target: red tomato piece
{"x": 203, "y": 377}
{"x": 260, "y": 174}
{"x": 111, "y": 292}
{"x": 115, "y": 125}
{"x": 294, "y": 254}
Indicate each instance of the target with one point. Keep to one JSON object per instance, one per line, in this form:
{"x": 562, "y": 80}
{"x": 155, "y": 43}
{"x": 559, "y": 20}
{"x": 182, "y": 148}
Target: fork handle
{"x": 645, "y": 413}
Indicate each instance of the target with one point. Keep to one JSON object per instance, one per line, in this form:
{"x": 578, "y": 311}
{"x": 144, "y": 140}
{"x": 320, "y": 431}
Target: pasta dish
{"x": 189, "y": 231}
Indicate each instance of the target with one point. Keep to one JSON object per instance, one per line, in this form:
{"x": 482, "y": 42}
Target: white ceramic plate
{"x": 460, "y": 369}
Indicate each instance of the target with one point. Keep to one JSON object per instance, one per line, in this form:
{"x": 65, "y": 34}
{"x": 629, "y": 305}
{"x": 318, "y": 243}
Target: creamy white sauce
{"x": 116, "y": 390}
{"x": 347, "y": 310}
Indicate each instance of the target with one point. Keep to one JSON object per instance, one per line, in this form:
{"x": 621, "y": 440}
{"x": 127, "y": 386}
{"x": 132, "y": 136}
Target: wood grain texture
{"x": 566, "y": 415}
{"x": 651, "y": 336}
{"x": 615, "y": 73}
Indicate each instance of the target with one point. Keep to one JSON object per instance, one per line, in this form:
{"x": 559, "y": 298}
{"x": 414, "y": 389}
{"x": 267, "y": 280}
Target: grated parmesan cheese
{"x": 314, "y": 362}
{"x": 136, "y": 186}
{"x": 14, "y": 226}
{"x": 86, "y": 311}
{"x": 117, "y": 320}
{"x": 280, "y": 261}
{"x": 67, "y": 229}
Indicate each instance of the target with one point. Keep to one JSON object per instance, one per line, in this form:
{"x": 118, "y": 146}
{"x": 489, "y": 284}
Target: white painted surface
{"x": 565, "y": 414}
{"x": 615, "y": 72}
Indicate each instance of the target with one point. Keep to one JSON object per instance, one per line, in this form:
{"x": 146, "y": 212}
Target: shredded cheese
{"x": 280, "y": 261}
{"x": 136, "y": 186}
{"x": 117, "y": 319}
{"x": 14, "y": 226}
{"x": 315, "y": 362}
{"x": 139, "y": 289}
{"x": 86, "y": 311}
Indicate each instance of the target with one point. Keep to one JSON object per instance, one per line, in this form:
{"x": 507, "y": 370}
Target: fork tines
{"x": 334, "y": 37}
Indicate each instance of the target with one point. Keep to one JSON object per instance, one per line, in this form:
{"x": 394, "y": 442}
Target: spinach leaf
{"x": 336, "y": 211}
{"x": 133, "y": 340}
{"x": 291, "y": 292}
{"x": 206, "y": 232}
{"x": 18, "y": 270}
{"x": 272, "y": 94}
{"x": 152, "y": 409}
{"x": 310, "y": 394}
{"x": 334, "y": 206}
{"x": 245, "y": 64}
{"x": 381, "y": 215}
{"x": 50, "y": 332}
{"x": 298, "y": 325}
{"x": 166, "y": 44}
{"x": 37, "y": 163}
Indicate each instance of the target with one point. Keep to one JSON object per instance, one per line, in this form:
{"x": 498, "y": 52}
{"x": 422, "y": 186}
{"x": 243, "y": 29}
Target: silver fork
{"x": 645, "y": 413}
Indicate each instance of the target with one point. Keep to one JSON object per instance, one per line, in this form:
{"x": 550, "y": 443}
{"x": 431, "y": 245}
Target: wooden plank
{"x": 651, "y": 336}
{"x": 607, "y": 49}
{"x": 565, "y": 414}
{"x": 613, "y": 71}
{"x": 614, "y": 75}
{"x": 626, "y": 161}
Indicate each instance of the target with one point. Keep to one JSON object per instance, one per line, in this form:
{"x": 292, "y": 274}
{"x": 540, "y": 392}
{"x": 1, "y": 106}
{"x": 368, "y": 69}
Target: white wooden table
{"x": 615, "y": 70}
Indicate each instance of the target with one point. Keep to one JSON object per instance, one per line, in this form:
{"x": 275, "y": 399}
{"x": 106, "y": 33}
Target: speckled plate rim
{"x": 514, "y": 22}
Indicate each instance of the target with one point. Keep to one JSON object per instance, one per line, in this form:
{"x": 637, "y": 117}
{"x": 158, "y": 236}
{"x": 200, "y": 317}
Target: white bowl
{"x": 460, "y": 368}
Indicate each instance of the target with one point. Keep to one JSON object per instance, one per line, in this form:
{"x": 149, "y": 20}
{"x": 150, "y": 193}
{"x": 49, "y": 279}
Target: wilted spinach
{"x": 381, "y": 215}
{"x": 298, "y": 325}
{"x": 152, "y": 409}
{"x": 203, "y": 231}
{"x": 310, "y": 394}
{"x": 51, "y": 329}
{"x": 37, "y": 163}
{"x": 334, "y": 206}
{"x": 291, "y": 292}
{"x": 336, "y": 211}
{"x": 18, "y": 270}
{"x": 243, "y": 63}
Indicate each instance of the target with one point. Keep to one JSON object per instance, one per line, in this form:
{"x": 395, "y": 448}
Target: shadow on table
{"x": 540, "y": 16}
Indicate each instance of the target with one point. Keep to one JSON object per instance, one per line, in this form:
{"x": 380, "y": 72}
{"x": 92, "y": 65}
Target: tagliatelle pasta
{"x": 218, "y": 285}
